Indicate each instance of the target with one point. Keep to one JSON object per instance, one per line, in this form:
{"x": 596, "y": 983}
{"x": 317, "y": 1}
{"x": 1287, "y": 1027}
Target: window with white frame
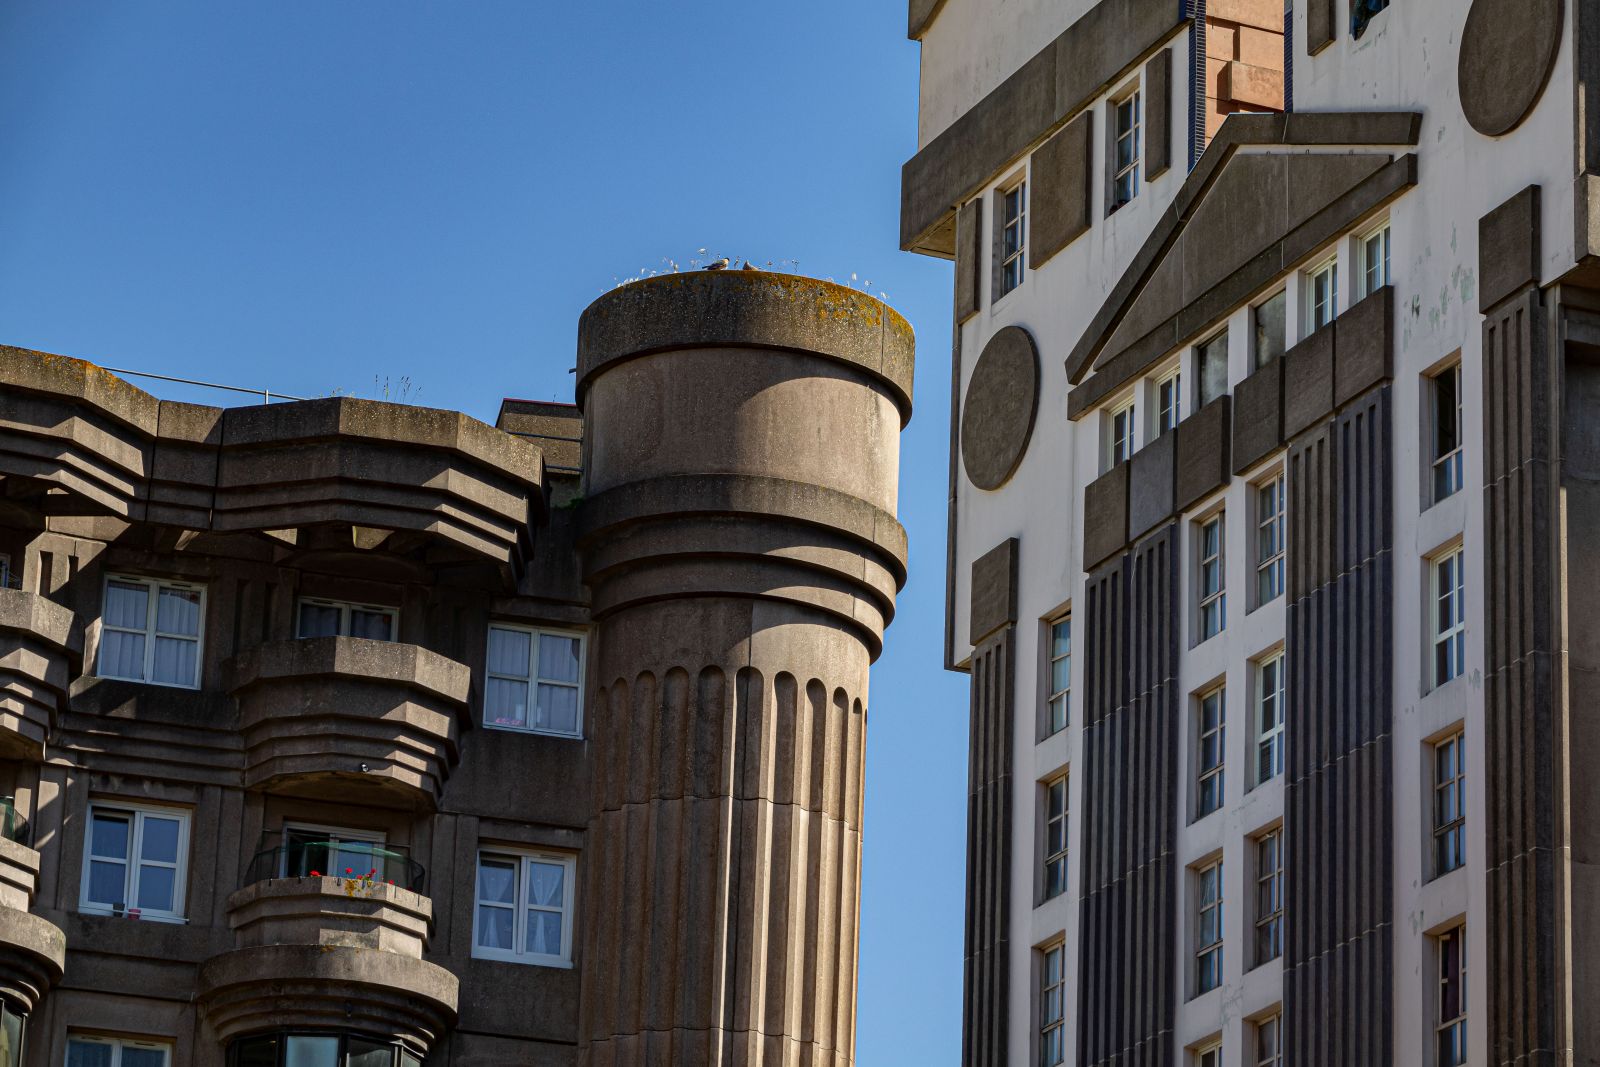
{"x": 85, "y": 1050}
{"x": 1269, "y": 896}
{"x": 1126, "y": 127}
{"x": 1211, "y": 358}
{"x": 1208, "y": 1056}
{"x": 329, "y": 850}
{"x": 1444, "y": 431}
{"x": 1212, "y": 734}
{"x": 1269, "y": 1041}
{"x": 1322, "y": 295}
{"x": 1120, "y": 441}
{"x": 1055, "y": 837}
{"x": 1271, "y": 325}
{"x": 524, "y": 907}
{"x": 1169, "y": 401}
{"x": 1449, "y": 804}
{"x": 150, "y": 631}
{"x": 1052, "y": 1006}
{"x": 135, "y": 861}
{"x": 1448, "y": 618}
{"x": 1269, "y": 539}
{"x": 1269, "y": 717}
{"x": 1058, "y": 705}
{"x": 1208, "y": 928}
{"x": 534, "y": 680}
{"x": 1375, "y": 260}
{"x": 316, "y": 617}
{"x": 1451, "y": 1046}
{"x": 1212, "y": 588}
{"x": 1013, "y": 236}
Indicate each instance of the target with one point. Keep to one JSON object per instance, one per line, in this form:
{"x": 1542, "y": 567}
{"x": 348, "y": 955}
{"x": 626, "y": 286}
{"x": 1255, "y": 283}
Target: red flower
{"x": 316, "y": 874}
{"x": 347, "y": 870}
{"x": 372, "y": 872}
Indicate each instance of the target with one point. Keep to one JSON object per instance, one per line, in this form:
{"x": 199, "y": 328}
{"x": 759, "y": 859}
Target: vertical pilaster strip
{"x": 1127, "y": 944}
{"x": 1339, "y": 789}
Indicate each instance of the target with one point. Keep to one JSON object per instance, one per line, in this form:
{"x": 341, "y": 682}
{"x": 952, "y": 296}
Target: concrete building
{"x": 340, "y": 733}
{"x": 1274, "y": 498}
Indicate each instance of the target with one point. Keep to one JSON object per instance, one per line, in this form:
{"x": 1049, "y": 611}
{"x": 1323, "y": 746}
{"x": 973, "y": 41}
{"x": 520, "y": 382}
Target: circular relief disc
{"x": 1507, "y": 51}
{"x": 1002, "y": 399}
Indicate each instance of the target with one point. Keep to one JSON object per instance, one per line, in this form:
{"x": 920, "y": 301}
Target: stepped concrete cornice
{"x": 40, "y": 653}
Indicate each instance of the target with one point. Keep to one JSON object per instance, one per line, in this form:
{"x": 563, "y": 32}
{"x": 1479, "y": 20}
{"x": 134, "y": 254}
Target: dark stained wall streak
{"x": 1127, "y": 996}
{"x": 986, "y": 992}
{"x": 1339, "y": 790}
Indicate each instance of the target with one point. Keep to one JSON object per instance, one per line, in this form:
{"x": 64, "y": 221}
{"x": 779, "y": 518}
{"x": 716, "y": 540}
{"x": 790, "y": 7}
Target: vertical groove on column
{"x": 1339, "y": 781}
{"x": 986, "y": 987}
{"x": 1127, "y": 995}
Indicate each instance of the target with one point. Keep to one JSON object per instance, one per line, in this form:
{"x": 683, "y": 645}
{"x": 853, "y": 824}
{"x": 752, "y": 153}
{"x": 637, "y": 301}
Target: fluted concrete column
{"x": 738, "y": 535}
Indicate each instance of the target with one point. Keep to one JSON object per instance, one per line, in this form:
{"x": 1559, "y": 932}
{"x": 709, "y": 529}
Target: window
{"x": 524, "y": 912}
{"x": 1052, "y": 1006}
{"x": 326, "y": 1049}
{"x": 1269, "y": 540}
{"x": 1169, "y": 402}
{"x": 1269, "y": 718}
{"x": 135, "y": 861}
{"x": 335, "y": 618}
{"x": 150, "y": 631}
{"x": 1269, "y": 1042}
{"x": 1449, "y": 804}
{"x": 1013, "y": 239}
{"x": 544, "y": 665}
{"x": 1362, "y": 12}
{"x": 1055, "y": 837}
{"x": 84, "y": 1051}
{"x": 1210, "y": 1056}
{"x": 1449, "y": 635}
{"x": 1058, "y": 711}
{"x": 329, "y": 850}
{"x": 1213, "y": 363}
{"x": 1451, "y": 947}
{"x": 1322, "y": 295}
{"x": 1213, "y": 577}
{"x": 1375, "y": 261}
{"x": 1208, "y": 929}
{"x": 1445, "y": 427}
{"x": 1271, "y": 328}
{"x": 1269, "y": 896}
{"x": 1213, "y": 727}
{"x": 1119, "y": 433}
{"x": 7, "y": 579}
{"x": 1126, "y": 122}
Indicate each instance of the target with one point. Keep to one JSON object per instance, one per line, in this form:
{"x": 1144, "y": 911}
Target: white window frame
{"x": 1268, "y": 923}
{"x": 1204, "y": 774}
{"x": 1213, "y": 605}
{"x": 1013, "y": 266}
{"x": 153, "y": 587}
{"x": 533, "y": 680}
{"x": 1451, "y": 638}
{"x": 1273, "y": 1055}
{"x": 1168, "y": 394}
{"x": 1457, "y": 1022}
{"x": 1052, "y": 858}
{"x": 1327, "y": 268}
{"x": 1054, "y": 696}
{"x": 1131, "y": 99}
{"x": 117, "y": 1045}
{"x": 346, "y": 607}
{"x": 1272, "y": 532}
{"x": 1448, "y": 462}
{"x": 1126, "y": 409}
{"x": 1055, "y": 1025}
{"x": 519, "y": 938}
{"x": 1208, "y": 1055}
{"x": 1448, "y": 789}
{"x": 1203, "y": 949}
{"x": 1268, "y": 717}
{"x": 134, "y": 860}
{"x": 1370, "y": 283}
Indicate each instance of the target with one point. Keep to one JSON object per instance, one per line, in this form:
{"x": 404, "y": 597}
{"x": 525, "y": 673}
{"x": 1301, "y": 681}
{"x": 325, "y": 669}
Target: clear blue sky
{"x": 309, "y": 195}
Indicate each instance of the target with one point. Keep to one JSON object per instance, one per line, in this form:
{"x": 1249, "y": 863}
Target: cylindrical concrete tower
{"x": 741, "y": 459}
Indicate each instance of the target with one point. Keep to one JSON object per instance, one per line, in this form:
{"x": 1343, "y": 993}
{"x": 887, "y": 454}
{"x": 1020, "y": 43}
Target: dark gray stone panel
{"x": 1060, "y": 191}
{"x": 1150, "y": 482}
{"x": 994, "y": 590}
{"x": 969, "y": 260}
{"x": 1508, "y": 248}
{"x": 1105, "y": 516}
{"x": 1321, "y": 25}
{"x": 1002, "y": 401}
{"x": 1203, "y": 449}
{"x": 1258, "y": 416}
{"x": 1308, "y": 382}
{"x": 986, "y": 985}
{"x": 1364, "y": 346}
{"x": 1158, "y": 115}
{"x": 1508, "y": 49}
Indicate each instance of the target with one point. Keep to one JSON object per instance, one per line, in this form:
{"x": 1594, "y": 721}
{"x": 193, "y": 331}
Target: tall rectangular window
{"x": 1213, "y": 577}
{"x": 1169, "y": 402}
{"x": 135, "y": 860}
{"x": 1208, "y": 928}
{"x": 338, "y": 618}
{"x": 1014, "y": 236}
{"x": 1445, "y": 431}
{"x": 1448, "y": 618}
{"x": 1059, "y": 707}
{"x": 1271, "y": 328}
{"x": 1210, "y": 1056}
{"x": 1127, "y": 123}
{"x": 1120, "y": 433}
{"x": 1269, "y": 1042}
{"x": 1269, "y": 896}
{"x": 534, "y": 681}
{"x": 1052, "y": 1006}
{"x": 7, "y": 579}
{"x": 1055, "y": 837}
{"x": 1322, "y": 295}
{"x": 1269, "y": 718}
{"x": 84, "y": 1050}
{"x": 1449, "y": 804}
{"x": 150, "y": 631}
{"x": 1208, "y": 763}
{"x": 1269, "y": 540}
{"x": 1375, "y": 261}
{"x": 1451, "y": 949}
{"x": 524, "y": 908}
{"x": 1212, "y": 357}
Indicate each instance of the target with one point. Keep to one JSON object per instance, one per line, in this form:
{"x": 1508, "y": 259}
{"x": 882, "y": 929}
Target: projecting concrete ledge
{"x": 40, "y": 654}
{"x": 33, "y": 952}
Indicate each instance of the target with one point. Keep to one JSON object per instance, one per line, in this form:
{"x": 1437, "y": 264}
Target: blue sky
{"x": 312, "y": 196}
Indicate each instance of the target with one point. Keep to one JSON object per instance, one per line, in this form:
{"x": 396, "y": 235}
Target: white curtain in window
{"x": 175, "y": 661}
{"x": 497, "y": 899}
{"x": 558, "y": 708}
{"x": 373, "y": 625}
{"x": 505, "y": 703}
{"x": 178, "y": 612}
{"x": 548, "y": 884}
{"x": 509, "y": 651}
{"x": 558, "y": 658}
{"x": 127, "y": 605}
{"x": 319, "y": 620}
{"x": 544, "y": 933}
{"x": 122, "y": 654}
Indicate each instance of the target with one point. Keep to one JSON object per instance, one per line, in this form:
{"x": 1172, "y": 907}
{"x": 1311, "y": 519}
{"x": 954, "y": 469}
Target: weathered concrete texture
{"x": 1061, "y": 190}
{"x": 1509, "y": 248}
{"x": 331, "y": 911}
{"x": 1508, "y": 49}
{"x": 555, "y": 429}
{"x": 920, "y": 15}
{"x": 986, "y": 979}
{"x": 1150, "y": 485}
{"x": 1203, "y": 440}
{"x": 1050, "y": 88}
{"x": 1322, "y": 25}
{"x": 1258, "y": 416}
{"x": 1157, "y": 91}
{"x": 994, "y": 590}
{"x": 33, "y": 954}
{"x": 1308, "y": 382}
{"x": 41, "y": 651}
{"x": 1364, "y": 346}
{"x": 1105, "y": 516}
{"x": 969, "y": 259}
{"x": 1001, "y": 404}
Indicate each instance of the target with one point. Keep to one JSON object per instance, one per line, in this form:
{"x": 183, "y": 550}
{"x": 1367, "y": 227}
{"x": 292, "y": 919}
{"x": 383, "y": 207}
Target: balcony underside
{"x": 39, "y": 655}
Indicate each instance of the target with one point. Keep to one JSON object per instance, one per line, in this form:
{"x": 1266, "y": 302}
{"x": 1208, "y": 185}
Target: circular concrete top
{"x": 1507, "y": 51}
{"x": 1002, "y": 400}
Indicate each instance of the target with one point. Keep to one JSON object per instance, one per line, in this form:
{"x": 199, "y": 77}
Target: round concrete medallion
{"x": 1507, "y": 51}
{"x": 1002, "y": 399}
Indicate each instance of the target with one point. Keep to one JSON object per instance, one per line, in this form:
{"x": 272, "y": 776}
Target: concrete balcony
{"x": 39, "y": 655}
{"x": 350, "y": 720}
{"x": 329, "y": 953}
{"x": 32, "y": 950}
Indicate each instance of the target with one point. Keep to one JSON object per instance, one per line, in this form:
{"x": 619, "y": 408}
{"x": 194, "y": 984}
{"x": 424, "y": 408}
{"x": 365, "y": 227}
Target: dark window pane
{"x": 256, "y": 1052}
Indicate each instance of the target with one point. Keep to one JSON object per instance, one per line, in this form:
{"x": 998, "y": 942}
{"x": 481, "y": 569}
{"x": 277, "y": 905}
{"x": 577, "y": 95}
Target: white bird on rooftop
{"x": 720, "y": 264}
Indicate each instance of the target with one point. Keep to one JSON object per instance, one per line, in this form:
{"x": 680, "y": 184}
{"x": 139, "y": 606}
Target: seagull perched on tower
{"x": 718, "y": 265}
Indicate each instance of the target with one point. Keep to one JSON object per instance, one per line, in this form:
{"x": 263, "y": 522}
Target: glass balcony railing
{"x": 294, "y": 854}
{"x": 13, "y": 827}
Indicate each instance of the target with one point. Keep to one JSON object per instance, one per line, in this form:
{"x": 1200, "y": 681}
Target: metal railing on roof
{"x": 267, "y": 395}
